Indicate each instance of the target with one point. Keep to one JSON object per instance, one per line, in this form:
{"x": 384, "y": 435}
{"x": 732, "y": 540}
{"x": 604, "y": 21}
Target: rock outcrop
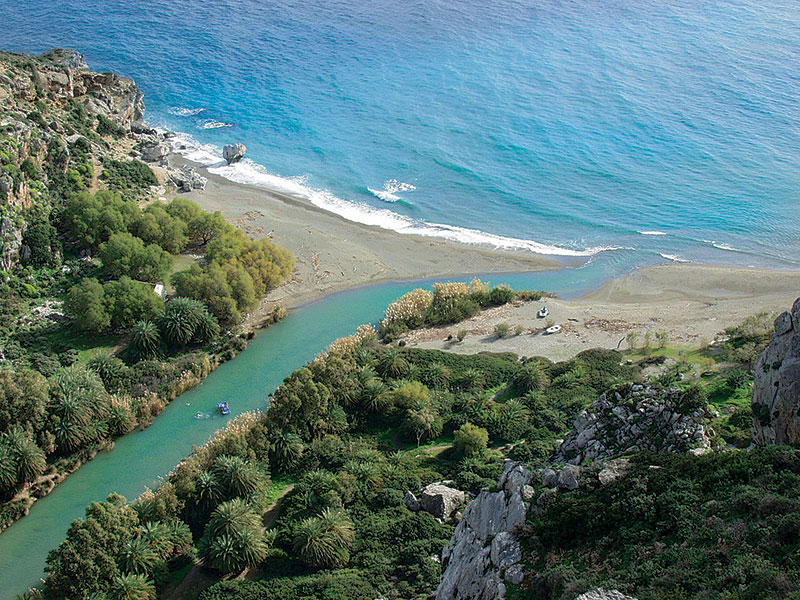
{"x": 438, "y": 499}
{"x": 233, "y": 153}
{"x": 634, "y": 419}
{"x": 776, "y": 390}
{"x": 601, "y": 594}
{"x": 484, "y": 553}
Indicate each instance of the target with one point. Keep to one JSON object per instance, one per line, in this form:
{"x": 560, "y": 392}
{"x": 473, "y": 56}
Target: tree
{"x": 470, "y": 440}
{"x": 411, "y": 395}
{"x": 208, "y": 226}
{"x": 324, "y": 542}
{"x": 138, "y": 556}
{"x": 86, "y": 304}
{"x": 125, "y": 254}
{"x": 183, "y": 209}
{"x": 111, "y": 370}
{"x": 180, "y": 320}
{"x": 392, "y": 364}
{"x": 145, "y": 341}
{"x": 532, "y": 376}
{"x": 233, "y": 539}
{"x": 132, "y": 587}
{"x": 29, "y": 458}
{"x": 375, "y": 396}
{"x": 129, "y": 301}
{"x": 237, "y": 478}
{"x": 23, "y": 399}
{"x": 42, "y": 241}
{"x": 92, "y": 219}
{"x": 422, "y": 423}
{"x": 85, "y": 562}
{"x": 157, "y": 226}
{"x": 286, "y": 451}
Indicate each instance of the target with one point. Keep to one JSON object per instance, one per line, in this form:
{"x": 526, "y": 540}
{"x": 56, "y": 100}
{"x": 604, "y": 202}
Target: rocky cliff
{"x": 776, "y": 390}
{"x": 56, "y": 121}
{"x": 484, "y": 555}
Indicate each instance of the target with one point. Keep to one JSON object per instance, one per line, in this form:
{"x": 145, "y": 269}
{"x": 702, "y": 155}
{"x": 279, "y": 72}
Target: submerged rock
{"x": 776, "y": 387}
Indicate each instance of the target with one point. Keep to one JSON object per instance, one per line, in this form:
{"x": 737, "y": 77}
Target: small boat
{"x": 224, "y": 408}
{"x": 553, "y": 329}
{"x": 543, "y": 312}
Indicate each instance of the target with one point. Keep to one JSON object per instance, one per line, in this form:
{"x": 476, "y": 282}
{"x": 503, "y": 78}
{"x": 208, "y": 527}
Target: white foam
{"x": 215, "y": 125}
{"x": 651, "y": 232}
{"x": 390, "y": 190}
{"x": 675, "y": 258}
{"x": 251, "y": 173}
{"x": 185, "y": 112}
{"x": 722, "y": 246}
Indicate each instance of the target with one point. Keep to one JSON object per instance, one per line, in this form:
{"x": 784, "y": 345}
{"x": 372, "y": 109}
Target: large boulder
{"x": 155, "y": 152}
{"x": 440, "y": 500}
{"x": 233, "y": 153}
{"x": 776, "y": 389}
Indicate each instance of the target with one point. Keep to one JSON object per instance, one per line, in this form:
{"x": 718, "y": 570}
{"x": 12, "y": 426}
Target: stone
{"x": 440, "y": 500}
{"x": 776, "y": 385}
{"x": 613, "y": 470}
{"x": 411, "y": 501}
{"x": 505, "y": 550}
{"x": 568, "y": 477}
{"x": 233, "y": 153}
{"x": 514, "y": 574}
{"x": 155, "y": 152}
{"x": 549, "y": 478}
{"x": 601, "y": 594}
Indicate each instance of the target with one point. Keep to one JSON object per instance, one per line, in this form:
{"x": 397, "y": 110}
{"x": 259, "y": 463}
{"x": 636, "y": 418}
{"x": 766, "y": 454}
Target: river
{"x": 140, "y": 459}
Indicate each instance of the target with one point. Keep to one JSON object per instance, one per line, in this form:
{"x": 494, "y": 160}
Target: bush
{"x": 470, "y": 440}
{"x": 501, "y": 330}
{"x": 128, "y": 175}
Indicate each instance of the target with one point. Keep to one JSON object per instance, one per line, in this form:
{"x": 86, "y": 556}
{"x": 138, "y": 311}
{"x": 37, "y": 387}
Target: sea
{"x": 619, "y": 133}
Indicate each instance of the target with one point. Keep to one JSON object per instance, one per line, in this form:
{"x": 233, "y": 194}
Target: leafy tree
{"x": 145, "y": 341}
{"x": 85, "y": 562}
{"x": 129, "y": 301}
{"x": 86, "y": 304}
{"x": 157, "y": 226}
{"x": 422, "y": 423}
{"x": 324, "y": 541}
{"x": 287, "y": 449}
{"x": 91, "y": 219}
{"x": 207, "y": 226}
{"x": 470, "y": 440}
{"x": 23, "y": 399}
{"x": 125, "y": 254}
{"x": 183, "y": 209}
{"x": 532, "y": 376}
{"x": 42, "y": 240}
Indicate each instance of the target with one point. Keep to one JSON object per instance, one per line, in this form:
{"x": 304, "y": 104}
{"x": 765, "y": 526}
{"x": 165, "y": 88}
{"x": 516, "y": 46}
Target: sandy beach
{"x": 333, "y": 254}
{"x": 691, "y": 303}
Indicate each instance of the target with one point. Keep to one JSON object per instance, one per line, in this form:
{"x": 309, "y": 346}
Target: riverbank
{"x": 691, "y": 304}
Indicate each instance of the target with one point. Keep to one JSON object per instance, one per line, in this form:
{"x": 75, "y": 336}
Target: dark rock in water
{"x": 776, "y": 389}
{"x": 233, "y": 153}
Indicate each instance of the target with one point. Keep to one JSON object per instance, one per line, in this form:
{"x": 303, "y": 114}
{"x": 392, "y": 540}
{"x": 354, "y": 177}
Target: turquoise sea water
{"x": 667, "y": 129}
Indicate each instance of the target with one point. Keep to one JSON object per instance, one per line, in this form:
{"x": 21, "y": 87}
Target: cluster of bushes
{"x": 447, "y": 303}
{"x": 723, "y": 525}
{"x": 746, "y": 341}
{"x": 125, "y": 174}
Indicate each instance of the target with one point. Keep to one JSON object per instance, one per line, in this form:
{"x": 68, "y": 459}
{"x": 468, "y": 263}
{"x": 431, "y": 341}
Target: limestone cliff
{"x": 776, "y": 390}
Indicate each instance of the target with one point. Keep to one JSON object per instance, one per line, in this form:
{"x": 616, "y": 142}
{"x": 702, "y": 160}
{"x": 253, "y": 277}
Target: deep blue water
{"x": 567, "y": 126}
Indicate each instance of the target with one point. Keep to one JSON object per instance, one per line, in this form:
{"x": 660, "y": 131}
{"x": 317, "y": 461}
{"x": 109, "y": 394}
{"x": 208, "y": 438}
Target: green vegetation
{"x": 128, "y": 175}
{"x": 722, "y": 525}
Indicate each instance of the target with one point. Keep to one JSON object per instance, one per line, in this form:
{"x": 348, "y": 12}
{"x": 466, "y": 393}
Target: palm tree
{"x": 324, "y": 541}
{"x": 471, "y": 379}
{"x": 159, "y": 537}
{"x": 145, "y": 341}
{"x": 287, "y": 448}
{"x": 180, "y": 320}
{"x": 120, "y": 416}
{"x": 208, "y": 490}
{"x": 531, "y": 377}
{"x": 207, "y": 328}
{"x": 138, "y": 556}
{"x": 375, "y": 396}
{"x": 392, "y": 364}
{"x": 438, "y": 375}
{"x": 237, "y": 477}
{"x": 31, "y": 461}
{"x": 132, "y": 587}
{"x": 8, "y": 467}
{"x": 233, "y": 538}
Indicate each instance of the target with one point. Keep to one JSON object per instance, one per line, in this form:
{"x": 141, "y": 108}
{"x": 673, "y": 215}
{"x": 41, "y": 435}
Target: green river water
{"x": 139, "y": 459}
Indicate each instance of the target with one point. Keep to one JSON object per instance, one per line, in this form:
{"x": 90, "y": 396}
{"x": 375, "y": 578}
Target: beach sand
{"x": 333, "y": 254}
{"x": 691, "y": 303}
